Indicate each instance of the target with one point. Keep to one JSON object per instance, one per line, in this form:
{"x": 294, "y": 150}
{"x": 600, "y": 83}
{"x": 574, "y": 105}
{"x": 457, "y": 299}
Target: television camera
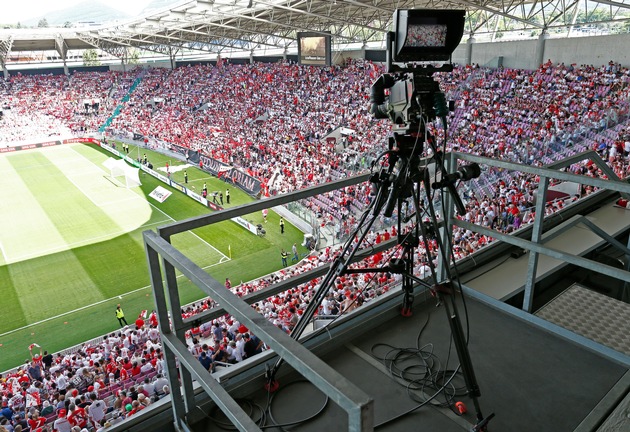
{"x": 409, "y": 96}
{"x": 413, "y": 101}
{"x": 419, "y": 36}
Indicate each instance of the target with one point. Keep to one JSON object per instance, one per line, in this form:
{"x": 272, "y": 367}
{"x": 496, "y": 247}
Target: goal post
{"x": 119, "y": 168}
{"x": 132, "y": 176}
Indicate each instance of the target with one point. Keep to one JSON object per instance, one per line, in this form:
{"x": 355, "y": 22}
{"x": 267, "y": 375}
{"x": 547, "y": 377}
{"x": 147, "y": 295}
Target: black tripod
{"x": 414, "y": 100}
{"x": 399, "y": 182}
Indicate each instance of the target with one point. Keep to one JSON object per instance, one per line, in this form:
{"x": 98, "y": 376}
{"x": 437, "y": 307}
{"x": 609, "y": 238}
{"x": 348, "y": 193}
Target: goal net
{"x": 121, "y": 171}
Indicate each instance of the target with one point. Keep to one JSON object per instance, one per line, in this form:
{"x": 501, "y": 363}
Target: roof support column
{"x": 5, "y": 49}
{"x": 171, "y": 55}
{"x": 469, "y": 49}
{"x": 540, "y": 47}
{"x": 124, "y": 58}
{"x": 62, "y": 49}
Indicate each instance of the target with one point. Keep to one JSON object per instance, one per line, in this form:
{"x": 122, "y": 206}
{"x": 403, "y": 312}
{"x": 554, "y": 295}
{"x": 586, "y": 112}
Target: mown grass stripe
{"x": 24, "y": 224}
{"x": 75, "y": 218}
{"x": 117, "y": 266}
{"x": 69, "y": 209}
{"x": 252, "y": 257}
{"x": 52, "y": 284}
{"x": 13, "y": 314}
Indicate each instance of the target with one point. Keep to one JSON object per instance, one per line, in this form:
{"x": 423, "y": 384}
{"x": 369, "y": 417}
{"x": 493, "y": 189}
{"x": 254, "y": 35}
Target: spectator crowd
{"x": 273, "y": 120}
{"x": 91, "y": 388}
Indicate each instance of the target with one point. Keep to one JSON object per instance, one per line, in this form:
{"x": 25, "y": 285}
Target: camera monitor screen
{"x": 426, "y": 35}
{"x": 314, "y": 49}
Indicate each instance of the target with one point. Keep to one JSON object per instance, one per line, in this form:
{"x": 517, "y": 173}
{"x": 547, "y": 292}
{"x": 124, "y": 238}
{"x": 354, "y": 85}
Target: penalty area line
{"x": 70, "y": 246}
{"x": 72, "y": 311}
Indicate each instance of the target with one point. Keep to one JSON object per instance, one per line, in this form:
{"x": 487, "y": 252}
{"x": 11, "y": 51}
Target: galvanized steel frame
{"x": 536, "y": 248}
{"x": 164, "y": 260}
{"x": 236, "y": 26}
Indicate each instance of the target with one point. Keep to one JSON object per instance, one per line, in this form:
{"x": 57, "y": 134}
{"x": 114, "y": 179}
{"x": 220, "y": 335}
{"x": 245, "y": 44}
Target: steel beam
{"x": 5, "y": 49}
{"x": 537, "y": 231}
{"x": 545, "y": 250}
{"x": 615, "y": 185}
{"x": 350, "y": 398}
{"x": 540, "y": 323}
{"x": 613, "y": 4}
{"x": 592, "y": 156}
{"x": 177, "y": 227}
{"x": 159, "y": 298}
{"x": 217, "y": 393}
{"x": 284, "y": 285}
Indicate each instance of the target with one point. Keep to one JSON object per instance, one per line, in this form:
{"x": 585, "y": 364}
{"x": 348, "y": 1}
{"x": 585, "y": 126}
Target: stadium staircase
{"x": 123, "y": 101}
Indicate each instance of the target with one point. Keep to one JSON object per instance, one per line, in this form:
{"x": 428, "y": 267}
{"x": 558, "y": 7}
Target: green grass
{"x": 72, "y": 245}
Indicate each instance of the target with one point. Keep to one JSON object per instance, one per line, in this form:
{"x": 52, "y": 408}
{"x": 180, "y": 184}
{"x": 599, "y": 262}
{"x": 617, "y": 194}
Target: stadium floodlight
{"x": 120, "y": 168}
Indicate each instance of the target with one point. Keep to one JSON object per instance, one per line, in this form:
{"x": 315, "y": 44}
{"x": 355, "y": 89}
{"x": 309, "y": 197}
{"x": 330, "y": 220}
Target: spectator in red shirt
{"x": 139, "y": 322}
{"x": 36, "y": 421}
{"x": 135, "y": 370}
{"x": 77, "y": 416}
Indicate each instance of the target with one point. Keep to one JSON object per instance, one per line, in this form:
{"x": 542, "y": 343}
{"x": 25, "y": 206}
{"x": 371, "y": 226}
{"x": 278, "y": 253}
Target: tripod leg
{"x": 461, "y": 346}
{"x": 407, "y": 304}
{"x": 407, "y": 284}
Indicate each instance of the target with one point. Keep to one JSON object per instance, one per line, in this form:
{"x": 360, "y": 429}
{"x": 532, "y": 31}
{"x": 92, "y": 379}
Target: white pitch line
{"x": 68, "y": 246}
{"x": 192, "y": 233}
{"x": 118, "y": 297}
{"x": 204, "y": 178}
{"x": 77, "y": 173}
{"x": 129, "y": 292}
{"x": 223, "y": 256}
{"x": 4, "y": 255}
{"x": 109, "y": 203}
{"x": 82, "y": 191}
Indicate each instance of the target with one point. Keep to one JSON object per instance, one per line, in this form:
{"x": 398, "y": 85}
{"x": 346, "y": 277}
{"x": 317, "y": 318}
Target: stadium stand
{"x": 569, "y": 109}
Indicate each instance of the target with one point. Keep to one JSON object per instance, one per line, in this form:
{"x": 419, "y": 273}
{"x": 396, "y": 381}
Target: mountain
{"x": 87, "y": 11}
{"x": 157, "y": 5}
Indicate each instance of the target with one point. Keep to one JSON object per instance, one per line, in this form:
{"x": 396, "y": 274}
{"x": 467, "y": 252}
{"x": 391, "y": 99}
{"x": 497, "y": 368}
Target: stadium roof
{"x": 224, "y": 26}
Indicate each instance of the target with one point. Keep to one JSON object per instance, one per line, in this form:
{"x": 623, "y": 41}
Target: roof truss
{"x": 224, "y": 26}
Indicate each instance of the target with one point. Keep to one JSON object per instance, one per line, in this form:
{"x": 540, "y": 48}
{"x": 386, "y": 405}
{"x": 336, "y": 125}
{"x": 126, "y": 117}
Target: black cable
{"x": 417, "y": 369}
{"x": 228, "y": 425}
{"x": 439, "y": 380}
{"x": 433, "y": 378}
{"x": 265, "y": 419}
{"x": 269, "y": 411}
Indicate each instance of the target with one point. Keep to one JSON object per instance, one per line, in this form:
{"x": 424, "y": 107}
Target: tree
{"x": 42, "y": 23}
{"x": 90, "y": 58}
{"x": 67, "y": 24}
{"x": 19, "y": 25}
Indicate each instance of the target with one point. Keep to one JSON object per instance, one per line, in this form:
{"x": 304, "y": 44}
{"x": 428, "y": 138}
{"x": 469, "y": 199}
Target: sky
{"x": 14, "y": 11}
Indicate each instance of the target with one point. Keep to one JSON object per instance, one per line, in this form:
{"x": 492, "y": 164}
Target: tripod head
{"x": 414, "y": 100}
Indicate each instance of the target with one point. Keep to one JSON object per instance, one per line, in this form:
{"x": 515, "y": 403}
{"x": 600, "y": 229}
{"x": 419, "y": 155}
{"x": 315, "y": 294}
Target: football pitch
{"x": 71, "y": 246}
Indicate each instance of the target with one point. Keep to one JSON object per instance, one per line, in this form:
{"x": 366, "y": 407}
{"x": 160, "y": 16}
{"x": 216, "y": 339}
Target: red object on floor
{"x": 272, "y": 386}
{"x": 461, "y": 407}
